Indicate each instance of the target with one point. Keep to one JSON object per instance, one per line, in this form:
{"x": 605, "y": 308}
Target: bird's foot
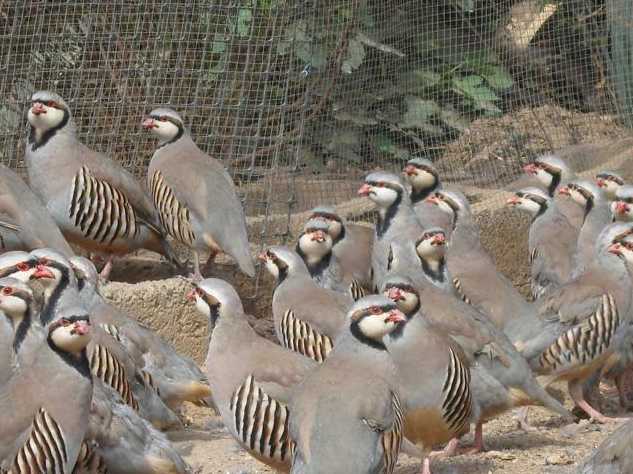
{"x": 451, "y": 449}
{"x": 426, "y": 466}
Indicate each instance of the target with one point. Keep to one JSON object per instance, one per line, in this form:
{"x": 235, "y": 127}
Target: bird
{"x": 314, "y": 246}
{"x": 609, "y": 182}
{"x": 25, "y": 223}
{"x": 473, "y": 271}
{"x": 96, "y": 203}
{"x": 307, "y": 317}
{"x": 352, "y": 244}
{"x": 433, "y": 376}
{"x": 622, "y": 205}
{"x": 424, "y": 180}
{"x": 551, "y": 172}
{"x": 174, "y": 377}
{"x": 252, "y": 378}
{"x": 346, "y": 416}
{"x": 46, "y": 400}
{"x": 501, "y": 377}
{"x": 583, "y": 320}
{"x": 596, "y": 217}
{"x": 551, "y": 240}
{"x": 396, "y": 217}
{"x": 195, "y": 196}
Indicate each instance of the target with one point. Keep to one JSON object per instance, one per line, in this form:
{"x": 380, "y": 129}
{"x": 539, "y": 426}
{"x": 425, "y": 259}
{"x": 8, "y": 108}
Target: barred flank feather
{"x": 392, "y": 439}
{"x": 107, "y": 368}
{"x": 99, "y": 210}
{"x": 173, "y": 215}
{"x": 44, "y": 452}
{"x": 460, "y": 292}
{"x": 456, "y": 406}
{"x": 261, "y": 422}
{"x": 300, "y": 337}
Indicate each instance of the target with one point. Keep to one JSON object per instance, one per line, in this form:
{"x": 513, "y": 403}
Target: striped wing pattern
{"x": 44, "y": 452}
{"x": 585, "y": 341}
{"x": 261, "y": 422}
{"x": 173, "y": 215}
{"x": 392, "y": 440}
{"x": 460, "y": 292}
{"x": 89, "y": 461}
{"x": 456, "y": 407}
{"x": 112, "y": 330}
{"x": 299, "y": 336}
{"x": 107, "y": 368}
{"x": 356, "y": 290}
{"x": 99, "y": 210}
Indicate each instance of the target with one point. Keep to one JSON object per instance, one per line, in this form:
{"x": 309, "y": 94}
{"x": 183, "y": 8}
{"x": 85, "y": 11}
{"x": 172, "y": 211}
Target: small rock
{"x": 558, "y": 460}
{"x": 504, "y": 456}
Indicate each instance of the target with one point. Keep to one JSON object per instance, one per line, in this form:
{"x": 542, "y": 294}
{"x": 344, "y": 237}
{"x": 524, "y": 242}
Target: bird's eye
{"x": 22, "y": 266}
{"x": 7, "y": 291}
{"x": 199, "y": 292}
{"x": 380, "y": 185}
{"x": 64, "y": 322}
{"x": 51, "y": 103}
{"x": 375, "y": 310}
{"x": 43, "y": 261}
{"x": 163, "y": 119}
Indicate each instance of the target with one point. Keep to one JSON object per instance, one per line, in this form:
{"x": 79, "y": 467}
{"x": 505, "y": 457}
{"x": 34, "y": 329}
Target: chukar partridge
{"x": 396, "y": 217}
{"x": 622, "y": 205}
{"x": 433, "y": 376}
{"x": 502, "y": 378}
{"x": 346, "y": 416}
{"x": 174, "y": 377}
{"x": 352, "y": 244}
{"x": 424, "y": 180}
{"x": 551, "y": 241}
{"x": 473, "y": 270}
{"x": 108, "y": 358}
{"x": 314, "y": 246}
{"x": 307, "y": 317}
{"x": 251, "y": 377}
{"x": 25, "y": 224}
{"x": 46, "y": 400}
{"x": 596, "y": 217}
{"x": 609, "y": 182}
{"x": 585, "y": 322}
{"x": 551, "y": 172}
{"x": 96, "y": 203}
{"x": 195, "y": 196}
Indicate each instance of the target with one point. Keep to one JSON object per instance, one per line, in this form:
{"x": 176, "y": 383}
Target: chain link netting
{"x": 300, "y": 98}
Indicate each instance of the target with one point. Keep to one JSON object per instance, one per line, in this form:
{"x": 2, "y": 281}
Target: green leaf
{"x": 354, "y": 57}
{"x": 244, "y": 19}
{"x": 386, "y": 145}
{"x": 488, "y": 108}
{"x": 426, "y": 78}
{"x": 219, "y": 43}
{"x": 497, "y": 77}
{"x": 466, "y": 5}
{"x": 419, "y": 113}
{"x": 454, "y": 119}
{"x": 472, "y": 88}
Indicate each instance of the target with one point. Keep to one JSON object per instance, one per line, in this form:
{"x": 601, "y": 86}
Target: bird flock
{"x": 397, "y": 338}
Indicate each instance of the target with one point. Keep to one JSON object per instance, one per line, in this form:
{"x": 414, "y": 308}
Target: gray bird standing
{"x": 307, "y": 317}
{"x": 424, "y": 180}
{"x": 195, "y": 196}
{"x": 346, "y": 416}
{"x": 251, "y": 378}
{"x": 609, "y": 182}
{"x": 25, "y": 224}
{"x": 622, "y": 205}
{"x": 97, "y": 204}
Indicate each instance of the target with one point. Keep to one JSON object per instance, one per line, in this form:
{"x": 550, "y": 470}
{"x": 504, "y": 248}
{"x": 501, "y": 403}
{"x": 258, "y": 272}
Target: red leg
{"x": 577, "y": 395}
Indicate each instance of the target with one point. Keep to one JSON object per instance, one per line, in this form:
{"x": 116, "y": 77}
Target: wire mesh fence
{"x": 300, "y": 98}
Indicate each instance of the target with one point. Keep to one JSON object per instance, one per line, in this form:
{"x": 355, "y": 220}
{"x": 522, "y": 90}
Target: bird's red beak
{"x": 410, "y": 170}
{"x": 601, "y": 183}
{"x": 148, "y": 123}
{"x": 191, "y": 295}
{"x": 433, "y": 199}
{"x": 615, "y": 249}
{"x": 621, "y": 207}
{"x": 364, "y": 190}
{"x": 438, "y": 239}
{"x": 38, "y": 108}
{"x": 42, "y": 271}
{"x": 530, "y": 169}
{"x": 394, "y": 294}
{"x": 513, "y": 201}
{"x": 262, "y": 257}
{"x": 395, "y": 316}
{"x": 318, "y": 235}
{"x": 564, "y": 191}
{"x": 81, "y": 328}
